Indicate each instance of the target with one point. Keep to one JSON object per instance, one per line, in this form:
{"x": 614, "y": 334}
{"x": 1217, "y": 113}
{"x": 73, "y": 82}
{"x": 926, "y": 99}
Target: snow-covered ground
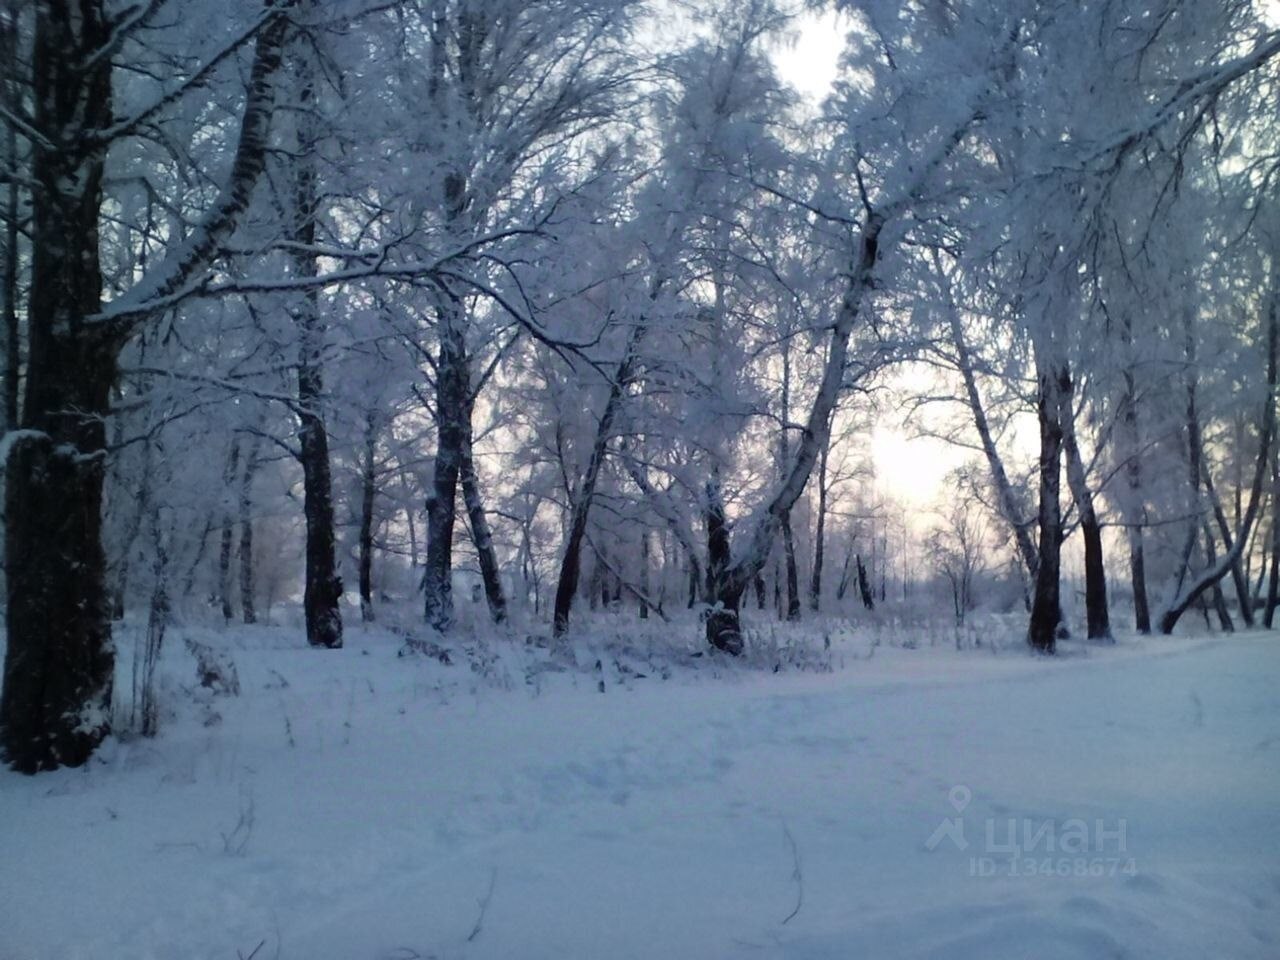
{"x": 359, "y": 805}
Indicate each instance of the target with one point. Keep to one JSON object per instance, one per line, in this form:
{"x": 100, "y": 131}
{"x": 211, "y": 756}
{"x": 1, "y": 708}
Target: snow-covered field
{"x": 359, "y": 805}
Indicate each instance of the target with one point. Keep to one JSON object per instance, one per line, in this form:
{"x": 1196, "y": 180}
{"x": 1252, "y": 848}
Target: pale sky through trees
{"x": 908, "y": 467}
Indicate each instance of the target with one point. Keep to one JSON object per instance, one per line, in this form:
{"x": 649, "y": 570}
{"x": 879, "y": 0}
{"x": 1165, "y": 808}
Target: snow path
{"x": 659, "y": 821}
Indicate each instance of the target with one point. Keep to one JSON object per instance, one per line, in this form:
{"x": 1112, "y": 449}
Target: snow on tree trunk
{"x": 54, "y": 708}
{"x": 1273, "y": 580}
{"x": 819, "y": 534}
{"x": 1045, "y": 603}
{"x": 322, "y": 589}
{"x": 452, "y": 406}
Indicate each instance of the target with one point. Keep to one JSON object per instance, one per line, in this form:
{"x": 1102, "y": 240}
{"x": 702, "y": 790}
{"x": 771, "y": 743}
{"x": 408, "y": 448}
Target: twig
{"x": 484, "y": 906}
{"x": 797, "y": 874}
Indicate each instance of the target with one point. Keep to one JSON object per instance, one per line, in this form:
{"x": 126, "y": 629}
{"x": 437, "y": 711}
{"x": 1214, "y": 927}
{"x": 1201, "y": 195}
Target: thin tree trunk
{"x": 157, "y": 624}
{"x": 819, "y": 535}
{"x": 1133, "y": 506}
{"x": 1218, "y": 600}
{"x": 1006, "y": 497}
{"x": 1273, "y": 583}
{"x": 229, "y": 476}
{"x": 481, "y": 534}
{"x": 1095, "y": 577}
{"x": 368, "y": 490}
{"x": 793, "y": 578}
{"x": 248, "y": 611}
{"x": 1238, "y": 576}
{"x": 644, "y": 573}
{"x": 864, "y": 587}
{"x": 843, "y": 586}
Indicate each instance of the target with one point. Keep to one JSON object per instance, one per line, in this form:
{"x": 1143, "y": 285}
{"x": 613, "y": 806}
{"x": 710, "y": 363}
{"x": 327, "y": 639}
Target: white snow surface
{"x": 360, "y": 805}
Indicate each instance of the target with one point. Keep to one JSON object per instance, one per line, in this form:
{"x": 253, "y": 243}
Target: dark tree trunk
{"x": 1095, "y": 578}
{"x": 481, "y": 534}
{"x": 1045, "y": 604}
{"x": 1273, "y": 582}
{"x": 322, "y": 591}
{"x": 452, "y": 407}
{"x": 723, "y": 629}
{"x": 820, "y": 534}
{"x": 59, "y": 664}
{"x": 247, "y": 586}
{"x": 864, "y": 585}
{"x": 368, "y": 489}
{"x": 229, "y": 477}
{"x": 10, "y": 96}
{"x": 323, "y": 588}
{"x": 694, "y": 579}
{"x": 644, "y": 574}
{"x": 1238, "y": 577}
{"x": 58, "y": 670}
{"x": 793, "y": 577}
{"x": 1134, "y": 504}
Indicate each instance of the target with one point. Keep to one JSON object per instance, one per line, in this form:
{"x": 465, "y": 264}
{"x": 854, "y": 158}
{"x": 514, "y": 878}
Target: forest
{"x": 580, "y": 478}
{"x": 574, "y": 303}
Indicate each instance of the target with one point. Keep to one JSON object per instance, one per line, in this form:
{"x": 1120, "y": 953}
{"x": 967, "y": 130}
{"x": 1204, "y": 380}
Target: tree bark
{"x": 368, "y": 490}
{"x": 322, "y": 589}
{"x": 1273, "y": 582}
{"x": 452, "y": 406}
{"x": 1045, "y": 603}
{"x": 864, "y": 586}
{"x": 723, "y": 631}
{"x": 819, "y": 534}
{"x": 9, "y": 53}
{"x": 54, "y": 708}
{"x": 1095, "y": 577}
{"x": 229, "y": 476}
{"x": 481, "y": 533}
{"x": 1133, "y": 498}
{"x": 248, "y": 611}
{"x": 793, "y": 577}
{"x": 644, "y": 573}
